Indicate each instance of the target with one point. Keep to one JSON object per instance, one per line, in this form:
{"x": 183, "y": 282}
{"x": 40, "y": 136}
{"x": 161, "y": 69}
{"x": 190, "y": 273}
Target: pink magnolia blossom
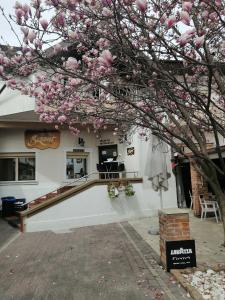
{"x": 57, "y": 48}
{"x": 60, "y": 19}
{"x": 213, "y": 16}
{"x": 26, "y": 8}
{"x": 184, "y": 17}
{"x": 102, "y": 43}
{"x": 38, "y": 44}
{"x": 170, "y": 21}
{"x": 187, "y": 6}
{"x": 205, "y": 14}
{"x": 141, "y": 5}
{"x": 199, "y": 41}
{"x": 19, "y": 13}
{"x": 163, "y": 19}
{"x": 74, "y": 131}
{"x": 74, "y": 81}
{"x": 106, "y": 58}
{"x": 73, "y": 35}
{"x": 62, "y": 119}
{"x": 44, "y": 23}
{"x": 184, "y": 39}
{"x": 218, "y": 3}
{"x": 25, "y": 30}
{"x": 106, "y": 12}
{"x": 106, "y": 2}
{"x": 72, "y": 63}
{"x": 31, "y": 35}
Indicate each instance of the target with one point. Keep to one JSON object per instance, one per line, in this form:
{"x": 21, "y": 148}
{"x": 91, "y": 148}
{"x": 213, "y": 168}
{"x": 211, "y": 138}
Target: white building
{"x": 29, "y": 169}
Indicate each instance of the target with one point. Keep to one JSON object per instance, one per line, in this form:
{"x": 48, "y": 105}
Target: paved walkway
{"x": 207, "y": 233}
{"x": 110, "y": 262}
{"x": 7, "y": 234}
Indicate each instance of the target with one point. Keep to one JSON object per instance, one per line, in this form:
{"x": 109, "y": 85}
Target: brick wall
{"x": 199, "y": 186}
{"x": 173, "y": 226}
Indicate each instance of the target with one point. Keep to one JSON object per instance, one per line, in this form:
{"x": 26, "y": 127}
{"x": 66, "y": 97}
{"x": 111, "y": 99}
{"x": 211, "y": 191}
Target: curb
{"x": 190, "y": 289}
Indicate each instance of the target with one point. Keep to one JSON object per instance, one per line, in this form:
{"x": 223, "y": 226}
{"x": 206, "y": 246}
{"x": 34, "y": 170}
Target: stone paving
{"x": 7, "y": 233}
{"x": 110, "y": 262}
{"x": 207, "y": 233}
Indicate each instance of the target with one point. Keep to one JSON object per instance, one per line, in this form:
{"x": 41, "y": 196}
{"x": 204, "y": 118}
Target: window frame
{"x": 82, "y": 154}
{"x": 16, "y": 156}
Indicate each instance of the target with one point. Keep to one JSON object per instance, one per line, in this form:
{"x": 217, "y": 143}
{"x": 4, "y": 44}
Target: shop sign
{"x": 180, "y": 254}
{"x": 130, "y": 151}
{"x": 42, "y": 139}
{"x": 106, "y": 142}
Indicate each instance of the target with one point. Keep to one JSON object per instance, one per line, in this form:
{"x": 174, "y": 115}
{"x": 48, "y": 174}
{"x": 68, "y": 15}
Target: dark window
{"x": 26, "y": 168}
{"x": 17, "y": 167}
{"x": 7, "y": 169}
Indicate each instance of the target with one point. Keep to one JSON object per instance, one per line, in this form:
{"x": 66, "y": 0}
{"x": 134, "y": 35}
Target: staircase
{"x": 48, "y": 196}
{"x": 61, "y": 194}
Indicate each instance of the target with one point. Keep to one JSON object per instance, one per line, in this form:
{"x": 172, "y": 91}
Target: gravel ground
{"x": 210, "y": 284}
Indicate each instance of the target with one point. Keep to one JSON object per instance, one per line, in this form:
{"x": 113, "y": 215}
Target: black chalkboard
{"x": 180, "y": 254}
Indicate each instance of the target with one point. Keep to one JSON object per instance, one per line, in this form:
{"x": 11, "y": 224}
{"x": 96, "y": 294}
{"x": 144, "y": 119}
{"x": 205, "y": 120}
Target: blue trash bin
{"x": 8, "y": 208}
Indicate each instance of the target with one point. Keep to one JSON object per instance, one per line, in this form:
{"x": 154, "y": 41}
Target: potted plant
{"x": 112, "y": 191}
{"x": 129, "y": 190}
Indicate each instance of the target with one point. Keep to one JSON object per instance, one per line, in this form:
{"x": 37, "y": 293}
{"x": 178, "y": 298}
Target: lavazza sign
{"x": 181, "y": 251}
{"x": 180, "y": 254}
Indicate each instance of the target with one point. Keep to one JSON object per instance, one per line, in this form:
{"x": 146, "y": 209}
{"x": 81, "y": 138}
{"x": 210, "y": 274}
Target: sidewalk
{"x": 207, "y": 233}
{"x": 7, "y": 234}
{"x": 103, "y": 262}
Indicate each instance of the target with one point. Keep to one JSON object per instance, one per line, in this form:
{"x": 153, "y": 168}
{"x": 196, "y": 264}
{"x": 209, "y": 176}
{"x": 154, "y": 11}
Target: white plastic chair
{"x": 209, "y": 206}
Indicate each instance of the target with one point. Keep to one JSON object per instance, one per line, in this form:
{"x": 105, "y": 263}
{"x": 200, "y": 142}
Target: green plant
{"x": 129, "y": 190}
{"x": 112, "y": 191}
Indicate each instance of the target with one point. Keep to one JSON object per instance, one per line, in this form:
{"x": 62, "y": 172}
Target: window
{"x": 76, "y": 164}
{"x": 17, "y": 166}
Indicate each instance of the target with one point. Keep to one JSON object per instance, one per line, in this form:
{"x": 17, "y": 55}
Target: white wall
{"x": 11, "y": 102}
{"x": 93, "y": 206}
{"x": 140, "y": 161}
{"x": 50, "y": 163}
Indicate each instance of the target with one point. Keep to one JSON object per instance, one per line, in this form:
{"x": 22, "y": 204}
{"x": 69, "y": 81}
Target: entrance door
{"x": 185, "y": 180}
{"x": 107, "y": 153}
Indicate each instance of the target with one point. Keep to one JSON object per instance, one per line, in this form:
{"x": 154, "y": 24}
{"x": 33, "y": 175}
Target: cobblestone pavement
{"x": 110, "y": 262}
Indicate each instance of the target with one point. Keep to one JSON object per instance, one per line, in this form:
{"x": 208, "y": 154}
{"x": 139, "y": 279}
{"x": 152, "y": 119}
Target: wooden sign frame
{"x": 42, "y": 139}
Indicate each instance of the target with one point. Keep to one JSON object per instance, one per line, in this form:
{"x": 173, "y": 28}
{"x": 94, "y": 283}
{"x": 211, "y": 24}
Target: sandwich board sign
{"x": 180, "y": 254}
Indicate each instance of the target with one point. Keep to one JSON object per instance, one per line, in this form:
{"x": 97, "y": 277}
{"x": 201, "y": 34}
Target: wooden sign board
{"x": 180, "y": 254}
{"x": 106, "y": 141}
{"x": 130, "y": 151}
{"x": 42, "y": 139}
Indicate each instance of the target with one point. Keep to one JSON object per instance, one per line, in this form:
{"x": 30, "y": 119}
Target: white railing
{"x": 91, "y": 176}
{"x": 102, "y": 176}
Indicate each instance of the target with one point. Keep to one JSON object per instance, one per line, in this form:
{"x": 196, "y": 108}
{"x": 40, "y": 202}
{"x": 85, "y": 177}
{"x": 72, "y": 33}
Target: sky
{"x": 5, "y": 30}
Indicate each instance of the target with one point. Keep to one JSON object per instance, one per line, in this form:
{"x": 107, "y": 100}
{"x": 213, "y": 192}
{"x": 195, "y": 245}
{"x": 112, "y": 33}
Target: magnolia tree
{"x": 153, "y": 64}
